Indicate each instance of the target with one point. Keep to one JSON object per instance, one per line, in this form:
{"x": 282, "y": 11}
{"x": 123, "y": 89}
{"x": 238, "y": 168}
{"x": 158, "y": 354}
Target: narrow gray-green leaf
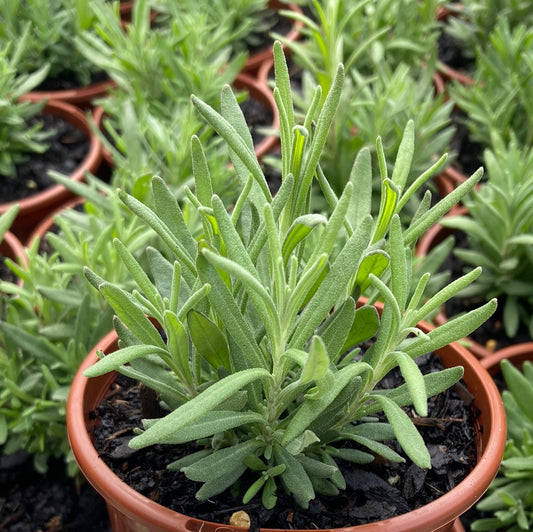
{"x": 406, "y": 434}
{"x": 198, "y": 406}
{"x": 208, "y": 339}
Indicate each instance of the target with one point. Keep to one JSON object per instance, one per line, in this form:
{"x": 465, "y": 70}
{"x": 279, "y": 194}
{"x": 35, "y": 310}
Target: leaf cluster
{"x": 245, "y": 22}
{"x": 380, "y": 106}
{"x": 499, "y": 233}
{"x": 473, "y": 20}
{"x": 51, "y": 318}
{"x": 510, "y": 497}
{"x": 390, "y": 79}
{"x": 18, "y": 135}
{"x": 50, "y": 28}
{"x": 256, "y": 349}
{"x": 364, "y": 34}
{"x": 148, "y": 117}
{"x": 499, "y": 100}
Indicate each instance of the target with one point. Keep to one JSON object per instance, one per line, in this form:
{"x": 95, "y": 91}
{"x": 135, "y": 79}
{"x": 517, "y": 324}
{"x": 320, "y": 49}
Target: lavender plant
{"x": 18, "y": 136}
{"x": 257, "y": 303}
{"x": 499, "y": 234}
{"x": 510, "y": 496}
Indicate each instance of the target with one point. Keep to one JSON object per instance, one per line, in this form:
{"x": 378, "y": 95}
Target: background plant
{"x": 473, "y": 20}
{"x": 390, "y": 79}
{"x": 499, "y": 233}
{"x": 245, "y": 21}
{"x": 510, "y": 497}
{"x": 149, "y": 118}
{"x": 364, "y": 34}
{"x": 50, "y": 28}
{"x": 19, "y": 137}
{"x": 52, "y": 317}
{"x": 258, "y": 309}
{"x": 500, "y": 98}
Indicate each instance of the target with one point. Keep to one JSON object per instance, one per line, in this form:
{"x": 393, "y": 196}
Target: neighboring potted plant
{"x": 386, "y": 85}
{"x": 497, "y": 224}
{"x": 507, "y": 504}
{"x": 51, "y": 317}
{"x": 247, "y": 327}
{"x": 30, "y": 133}
{"x": 51, "y": 30}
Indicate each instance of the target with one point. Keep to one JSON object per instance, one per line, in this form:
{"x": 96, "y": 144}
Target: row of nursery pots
{"x": 37, "y": 207}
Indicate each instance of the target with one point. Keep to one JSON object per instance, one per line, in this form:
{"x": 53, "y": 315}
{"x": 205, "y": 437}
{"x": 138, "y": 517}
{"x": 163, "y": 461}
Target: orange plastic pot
{"x": 81, "y": 97}
{"x": 517, "y": 354}
{"x": 12, "y": 248}
{"x": 129, "y": 511}
{"x": 36, "y": 207}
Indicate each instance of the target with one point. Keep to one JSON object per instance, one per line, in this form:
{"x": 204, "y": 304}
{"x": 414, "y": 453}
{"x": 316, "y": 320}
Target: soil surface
{"x": 30, "y": 502}
{"x": 68, "y": 146}
{"x": 69, "y": 81}
{"x": 378, "y": 491}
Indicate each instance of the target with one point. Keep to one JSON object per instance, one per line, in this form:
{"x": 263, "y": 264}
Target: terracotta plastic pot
{"x": 34, "y": 208}
{"x": 517, "y": 354}
{"x": 82, "y": 97}
{"x": 449, "y": 73}
{"x": 129, "y": 511}
{"x": 255, "y": 60}
{"x": 12, "y": 248}
{"x": 48, "y": 222}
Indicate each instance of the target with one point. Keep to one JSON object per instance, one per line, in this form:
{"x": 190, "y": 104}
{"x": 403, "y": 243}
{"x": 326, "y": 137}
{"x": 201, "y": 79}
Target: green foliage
{"x": 158, "y": 64}
{"x": 380, "y": 106}
{"x": 473, "y": 20}
{"x": 499, "y": 232}
{"x": 500, "y": 99}
{"x": 149, "y": 118}
{"x": 243, "y": 20}
{"x": 51, "y": 28}
{"x": 281, "y": 380}
{"x": 18, "y": 136}
{"x": 390, "y": 67}
{"x": 510, "y": 497}
{"x": 6, "y": 219}
{"x": 364, "y": 34}
{"x": 52, "y": 317}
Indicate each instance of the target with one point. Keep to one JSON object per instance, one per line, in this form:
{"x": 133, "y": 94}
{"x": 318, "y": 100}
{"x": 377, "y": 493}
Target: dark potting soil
{"x": 275, "y": 23}
{"x": 53, "y": 502}
{"x": 258, "y": 117}
{"x": 469, "y": 153}
{"x": 5, "y": 273}
{"x": 68, "y": 81}
{"x": 452, "y": 53}
{"x": 378, "y": 491}
{"x": 68, "y": 146}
